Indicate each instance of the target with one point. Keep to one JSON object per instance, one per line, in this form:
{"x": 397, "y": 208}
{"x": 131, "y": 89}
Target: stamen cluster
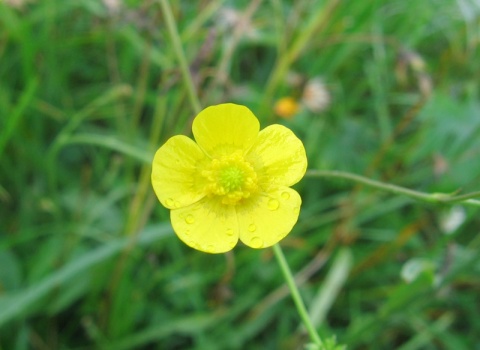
{"x": 231, "y": 178}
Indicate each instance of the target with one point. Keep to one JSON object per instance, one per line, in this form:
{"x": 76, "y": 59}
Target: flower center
{"x": 231, "y": 178}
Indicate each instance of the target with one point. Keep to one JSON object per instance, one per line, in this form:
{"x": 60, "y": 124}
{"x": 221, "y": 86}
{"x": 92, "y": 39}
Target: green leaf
{"x": 19, "y": 303}
{"x": 10, "y": 273}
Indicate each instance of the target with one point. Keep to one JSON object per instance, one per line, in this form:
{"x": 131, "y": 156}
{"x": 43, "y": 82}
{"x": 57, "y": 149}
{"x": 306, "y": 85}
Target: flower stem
{"x": 177, "y": 46}
{"x": 436, "y": 198}
{"x": 302, "y": 311}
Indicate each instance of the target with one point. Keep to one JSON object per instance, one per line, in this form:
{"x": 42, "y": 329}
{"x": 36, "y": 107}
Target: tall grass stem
{"x": 297, "y": 299}
{"x": 436, "y": 198}
{"x": 177, "y": 46}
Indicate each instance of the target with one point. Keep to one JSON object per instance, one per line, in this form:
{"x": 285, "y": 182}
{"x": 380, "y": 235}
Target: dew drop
{"x": 296, "y": 210}
{"x": 230, "y": 232}
{"x": 177, "y": 204}
{"x": 169, "y": 202}
{"x": 210, "y": 248}
{"x": 252, "y": 227}
{"x": 285, "y": 195}
{"x": 189, "y": 219}
{"x": 256, "y": 242}
{"x": 273, "y": 204}
{"x": 187, "y": 232}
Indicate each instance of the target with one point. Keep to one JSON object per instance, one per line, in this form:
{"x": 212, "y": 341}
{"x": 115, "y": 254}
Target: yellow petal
{"x": 207, "y": 225}
{"x": 223, "y": 128}
{"x": 278, "y": 156}
{"x": 266, "y": 220}
{"x": 175, "y": 172}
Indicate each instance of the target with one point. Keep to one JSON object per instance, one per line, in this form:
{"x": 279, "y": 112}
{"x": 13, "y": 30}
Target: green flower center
{"x": 231, "y": 178}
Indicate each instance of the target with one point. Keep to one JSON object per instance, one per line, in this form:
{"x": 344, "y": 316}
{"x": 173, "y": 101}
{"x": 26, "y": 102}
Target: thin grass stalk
{"x": 177, "y": 46}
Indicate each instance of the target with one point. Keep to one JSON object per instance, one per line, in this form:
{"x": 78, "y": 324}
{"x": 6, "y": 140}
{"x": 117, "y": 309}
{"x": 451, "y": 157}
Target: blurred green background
{"x": 89, "y": 90}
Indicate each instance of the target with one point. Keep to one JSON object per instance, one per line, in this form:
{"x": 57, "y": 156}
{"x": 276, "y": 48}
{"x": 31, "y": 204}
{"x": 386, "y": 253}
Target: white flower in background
{"x": 240, "y": 23}
{"x": 18, "y": 4}
{"x": 452, "y": 220}
{"x": 113, "y": 6}
{"x": 316, "y": 96}
{"x": 413, "y": 268}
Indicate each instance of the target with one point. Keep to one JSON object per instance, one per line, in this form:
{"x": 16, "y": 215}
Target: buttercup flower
{"x": 232, "y": 183}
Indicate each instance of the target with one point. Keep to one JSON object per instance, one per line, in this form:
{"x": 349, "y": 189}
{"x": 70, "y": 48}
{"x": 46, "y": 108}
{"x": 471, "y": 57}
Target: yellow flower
{"x": 232, "y": 183}
{"x": 286, "y": 107}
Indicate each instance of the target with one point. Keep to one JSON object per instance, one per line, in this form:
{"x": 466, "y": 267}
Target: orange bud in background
{"x": 286, "y": 107}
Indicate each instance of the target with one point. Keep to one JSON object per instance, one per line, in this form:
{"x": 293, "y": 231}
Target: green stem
{"x": 177, "y": 46}
{"x": 302, "y": 311}
{"x": 436, "y": 198}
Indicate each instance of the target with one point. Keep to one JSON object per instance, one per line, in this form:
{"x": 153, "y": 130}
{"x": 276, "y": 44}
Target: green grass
{"x": 88, "y": 259}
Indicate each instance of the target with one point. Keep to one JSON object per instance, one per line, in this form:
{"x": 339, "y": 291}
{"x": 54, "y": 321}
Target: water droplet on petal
{"x": 285, "y": 195}
{"x": 189, "y": 219}
{"x": 296, "y": 210}
{"x": 252, "y": 227}
{"x": 187, "y": 232}
{"x": 210, "y": 248}
{"x": 230, "y": 232}
{"x": 273, "y": 204}
{"x": 177, "y": 204}
{"x": 169, "y": 202}
{"x": 256, "y": 242}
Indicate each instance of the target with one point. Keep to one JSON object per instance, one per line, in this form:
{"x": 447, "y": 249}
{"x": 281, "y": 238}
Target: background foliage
{"x": 90, "y": 89}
